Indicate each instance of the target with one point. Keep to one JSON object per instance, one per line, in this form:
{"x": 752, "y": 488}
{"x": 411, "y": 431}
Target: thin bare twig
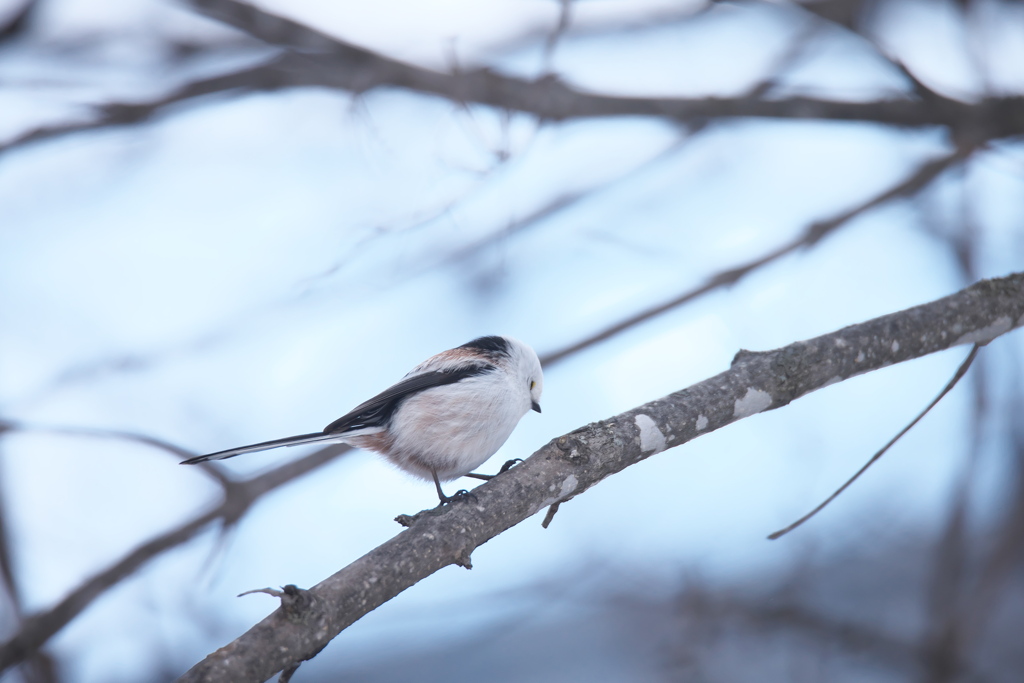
{"x": 952, "y": 383}
{"x": 564, "y": 19}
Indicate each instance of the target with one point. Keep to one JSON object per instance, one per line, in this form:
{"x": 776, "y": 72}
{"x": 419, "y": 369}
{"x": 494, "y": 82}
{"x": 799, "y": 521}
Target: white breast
{"x": 455, "y": 428}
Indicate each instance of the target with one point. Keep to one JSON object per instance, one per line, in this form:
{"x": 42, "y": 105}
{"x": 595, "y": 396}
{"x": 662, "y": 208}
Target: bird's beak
{"x": 536, "y": 406}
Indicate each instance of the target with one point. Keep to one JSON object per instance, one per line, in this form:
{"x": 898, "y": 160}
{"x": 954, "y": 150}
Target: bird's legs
{"x": 504, "y": 468}
{"x": 459, "y": 495}
{"x": 463, "y": 493}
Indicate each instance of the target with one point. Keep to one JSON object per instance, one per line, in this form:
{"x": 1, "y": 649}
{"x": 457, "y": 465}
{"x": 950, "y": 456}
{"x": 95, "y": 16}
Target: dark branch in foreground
{"x": 571, "y": 464}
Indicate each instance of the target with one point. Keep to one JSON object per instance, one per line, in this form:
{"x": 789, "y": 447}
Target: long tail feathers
{"x": 264, "y": 446}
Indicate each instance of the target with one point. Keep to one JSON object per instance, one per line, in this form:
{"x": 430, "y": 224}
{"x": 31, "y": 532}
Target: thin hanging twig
{"x": 952, "y": 383}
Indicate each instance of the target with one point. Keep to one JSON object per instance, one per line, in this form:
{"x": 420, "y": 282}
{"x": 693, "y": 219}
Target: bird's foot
{"x": 509, "y": 464}
{"x": 504, "y": 468}
{"x": 457, "y": 497}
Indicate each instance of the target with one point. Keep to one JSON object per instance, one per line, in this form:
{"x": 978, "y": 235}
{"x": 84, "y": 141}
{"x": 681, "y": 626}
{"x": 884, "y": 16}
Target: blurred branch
{"x": 239, "y": 497}
{"x": 710, "y": 613}
{"x": 145, "y": 439}
{"x": 357, "y": 69}
{"x": 135, "y": 437}
{"x": 853, "y": 16}
{"x": 17, "y": 24}
{"x": 788, "y": 60}
{"x": 564, "y": 20}
{"x": 845, "y": 13}
{"x": 908, "y": 187}
{"x": 317, "y": 59}
{"x": 604, "y": 25}
{"x": 707, "y": 608}
{"x": 571, "y": 464}
{"x": 38, "y": 667}
{"x": 7, "y": 575}
{"x": 272, "y": 75}
{"x": 567, "y": 200}
{"x": 962, "y": 608}
{"x": 945, "y": 638}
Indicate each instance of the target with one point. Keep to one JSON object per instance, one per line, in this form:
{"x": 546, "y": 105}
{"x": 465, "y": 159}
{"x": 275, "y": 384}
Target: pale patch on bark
{"x": 651, "y": 438}
{"x": 986, "y": 334}
{"x": 753, "y": 402}
{"x": 569, "y": 485}
{"x": 702, "y": 423}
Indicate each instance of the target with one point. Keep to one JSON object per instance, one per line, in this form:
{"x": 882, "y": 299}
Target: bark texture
{"x": 570, "y": 464}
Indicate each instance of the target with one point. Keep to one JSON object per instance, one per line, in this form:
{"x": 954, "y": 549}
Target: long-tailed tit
{"x": 446, "y": 417}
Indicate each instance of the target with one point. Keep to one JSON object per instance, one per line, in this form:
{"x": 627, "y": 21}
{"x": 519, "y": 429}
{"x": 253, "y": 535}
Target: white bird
{"x": 445, "y": 418}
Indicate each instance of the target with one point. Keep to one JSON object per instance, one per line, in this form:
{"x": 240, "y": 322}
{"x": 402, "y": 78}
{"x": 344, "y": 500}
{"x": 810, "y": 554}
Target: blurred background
{"x": 223, "y": 223}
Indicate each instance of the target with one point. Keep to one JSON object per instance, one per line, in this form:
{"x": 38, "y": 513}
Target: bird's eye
{"x": 532, "y": 384}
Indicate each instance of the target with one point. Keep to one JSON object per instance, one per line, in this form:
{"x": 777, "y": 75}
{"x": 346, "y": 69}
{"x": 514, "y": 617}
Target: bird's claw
{"x": 509, "y": 464}
{"x": 458, "y": 497}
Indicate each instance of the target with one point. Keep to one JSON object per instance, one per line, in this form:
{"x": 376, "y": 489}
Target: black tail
{"x": 264, "y": 446}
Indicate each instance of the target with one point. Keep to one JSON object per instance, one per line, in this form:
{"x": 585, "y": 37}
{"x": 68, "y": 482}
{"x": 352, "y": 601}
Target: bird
{"x": 441, "y": 421}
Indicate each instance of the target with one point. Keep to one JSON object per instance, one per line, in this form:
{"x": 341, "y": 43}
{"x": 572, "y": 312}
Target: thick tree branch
{"x": 571, "y": 464}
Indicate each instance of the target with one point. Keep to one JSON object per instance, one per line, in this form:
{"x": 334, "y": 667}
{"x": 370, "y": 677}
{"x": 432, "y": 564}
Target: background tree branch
{"x": 571, "y": 464}
{"x": 314, "y": 58}
{"x": 238, "y": 497}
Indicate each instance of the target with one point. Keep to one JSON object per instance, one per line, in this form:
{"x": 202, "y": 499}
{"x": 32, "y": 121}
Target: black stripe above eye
{"x": 490, "y": 344}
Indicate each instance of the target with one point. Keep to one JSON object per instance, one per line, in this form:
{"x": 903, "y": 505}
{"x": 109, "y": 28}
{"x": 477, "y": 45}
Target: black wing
{"x": 378, "y": 410}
